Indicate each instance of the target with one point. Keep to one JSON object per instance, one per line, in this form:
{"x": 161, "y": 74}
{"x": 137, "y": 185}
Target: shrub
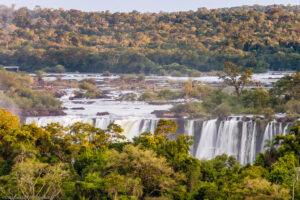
{"x": 192, "y": 109}
{"x": 39, "y": 75}
{"x": 55, "y": 69}
{"x": 88, "y": 84}
{"x": 128, "y": 77}
{"x": 167, "y": 94}
{"x": 162, "y": 72}
{"x": 256, "y": 99}
{"x": 176, "y": 73}
{"x": 141, "y": 77}
{"x": 147, "y": 96}
{"x": 292, "y": 106}
{"x": 59, "y": 69}
{"x": 222, "y": 111}
{"x": 106, "y": 73}
{"x": 194, "y": 73}
{"x": 268, "y": 113}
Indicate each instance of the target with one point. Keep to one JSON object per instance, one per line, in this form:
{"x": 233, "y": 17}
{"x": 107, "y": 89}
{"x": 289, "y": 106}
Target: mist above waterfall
{"x": 8, "y": 104}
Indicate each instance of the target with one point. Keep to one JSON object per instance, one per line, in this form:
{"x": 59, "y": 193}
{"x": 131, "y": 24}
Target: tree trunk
{"x": 237, "y": 91}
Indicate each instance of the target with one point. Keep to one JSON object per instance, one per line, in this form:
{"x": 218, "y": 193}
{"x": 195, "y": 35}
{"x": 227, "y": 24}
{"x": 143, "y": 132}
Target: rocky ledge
{"x": 30, "y": 113}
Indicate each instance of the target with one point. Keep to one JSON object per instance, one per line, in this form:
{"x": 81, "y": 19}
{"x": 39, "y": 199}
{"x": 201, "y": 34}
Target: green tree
{"x": 32, "y": 179}
{"x": 59, "y": 69}
{"x": 235, "y": 77}
{"x": 39, "y": 75}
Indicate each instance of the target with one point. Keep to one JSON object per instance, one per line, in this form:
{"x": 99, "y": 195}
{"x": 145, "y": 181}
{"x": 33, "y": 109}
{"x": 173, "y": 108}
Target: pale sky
{"x": 141, "y": 5}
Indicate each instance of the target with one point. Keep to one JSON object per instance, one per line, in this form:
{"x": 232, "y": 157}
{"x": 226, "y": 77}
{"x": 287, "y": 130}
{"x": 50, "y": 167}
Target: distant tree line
{"x": 264, "y": 38}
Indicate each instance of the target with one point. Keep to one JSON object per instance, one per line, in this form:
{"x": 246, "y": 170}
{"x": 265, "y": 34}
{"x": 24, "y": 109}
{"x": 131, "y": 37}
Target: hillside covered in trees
{"x": 265, "y": 38}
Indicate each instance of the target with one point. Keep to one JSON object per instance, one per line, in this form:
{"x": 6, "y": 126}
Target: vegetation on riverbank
{"x": 283, "y": 97}
{"x": 22, "y": 95}
{"x": 264, "y": 38}
{"x": 88, "y": 89}
{"x": 84, "y": 162}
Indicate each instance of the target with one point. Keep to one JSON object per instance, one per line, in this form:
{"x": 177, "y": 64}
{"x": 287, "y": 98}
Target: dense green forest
{"x": 84, "y": 162}
{"x": 264, "y": 38}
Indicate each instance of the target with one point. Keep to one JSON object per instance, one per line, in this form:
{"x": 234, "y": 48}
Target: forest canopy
{"x": 264, "y": 38}
{"x": 85, "y": 162}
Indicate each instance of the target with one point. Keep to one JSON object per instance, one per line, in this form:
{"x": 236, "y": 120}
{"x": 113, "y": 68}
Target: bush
{"x": 222, "y": 111}
{"x": 268, "y": 113}
{"x": 128, "y": 77}
{"x": 59, "y": 69}
{"x": 86, "y": 86}
{"x": 162, "y": 72}
{"x": 89, "y": 94}
{"x": 292, "y": 106}
{"x": 167, "y": 94}
{"x": 55, "y": 69}
{"x": 39, "y": 75}
{"x": 147, "y": 96}
{"x": 256, "y": 99}
{"x": 128, "y": 97}
{"x": 106, "y": 73}
{"x": 6, "y": 103}
{"x": 176, "y": 73}
{"x": 141, "y": 77}
{"x": 193, "y": 109}
{"x": 194, "y": 73}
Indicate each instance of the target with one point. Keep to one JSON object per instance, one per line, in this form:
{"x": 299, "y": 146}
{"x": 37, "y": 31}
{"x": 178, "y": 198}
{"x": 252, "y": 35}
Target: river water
{"x": 234, "y": 136}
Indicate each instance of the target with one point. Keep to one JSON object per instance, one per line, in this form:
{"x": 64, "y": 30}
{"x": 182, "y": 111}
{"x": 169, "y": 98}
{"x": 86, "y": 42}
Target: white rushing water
{"x": 131, "y": 126}
{"x": 242, "y": 139}
{"x": 267, "y": 77}
{"x": 237, "y": 138}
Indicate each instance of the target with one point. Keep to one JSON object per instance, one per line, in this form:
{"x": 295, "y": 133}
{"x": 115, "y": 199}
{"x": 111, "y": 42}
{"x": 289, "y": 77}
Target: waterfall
{"x": 132, "y": 126}
{"x": 272, "y": 129}
{"x": 189, "y": 128}
{"x": 227, "y": 137}
{"x": 252, "y": 149}
{"x": 244, "y": 139}
{"x": 206, "y": 147}
{"x": 102, "y": 123}
{"x": 233, "y": 136}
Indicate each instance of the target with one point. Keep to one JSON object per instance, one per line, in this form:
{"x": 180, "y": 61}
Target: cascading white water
{"x": 268, "y": 134}
{"x": 189, "y": 128}
{"x": 244, "y": 138}
{"x": 206, "y": 147}
{"x": 227, "y": 137}
{"x": 252, "y": 150}
{"x": 231, "y": 136}
{"x": 239, "y": 141}
{"x": 102, "y": 122}
{"x": 132, "y": 126}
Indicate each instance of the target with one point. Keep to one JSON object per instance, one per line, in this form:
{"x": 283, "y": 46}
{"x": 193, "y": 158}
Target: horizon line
{"x": 145, "y": 12}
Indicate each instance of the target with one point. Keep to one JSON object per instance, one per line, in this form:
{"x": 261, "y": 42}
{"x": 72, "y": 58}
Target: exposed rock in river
{"x": 102, "y": 113}
{"x": 78, "y": 108}
{"x": 27, "y": 113}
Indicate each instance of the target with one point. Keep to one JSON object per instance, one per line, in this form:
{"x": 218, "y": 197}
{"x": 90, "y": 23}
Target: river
{"x": 239, "y": 136}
